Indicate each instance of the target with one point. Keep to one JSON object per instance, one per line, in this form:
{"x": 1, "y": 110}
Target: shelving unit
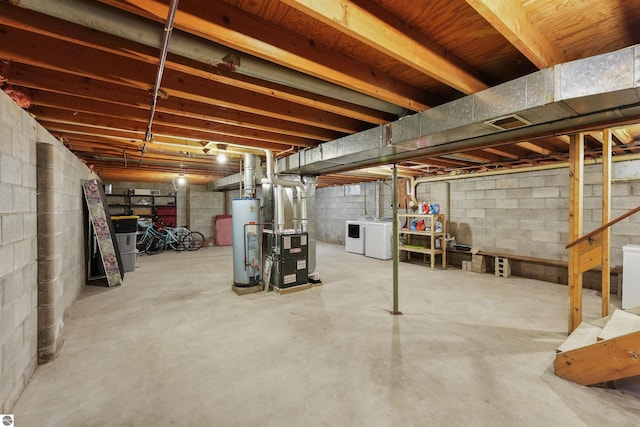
{"x": 146, "y": 206}
{"x": 430, "y": 241}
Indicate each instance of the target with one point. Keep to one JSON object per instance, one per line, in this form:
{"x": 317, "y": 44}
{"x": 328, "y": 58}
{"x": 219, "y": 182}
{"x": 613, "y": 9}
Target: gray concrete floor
{"x": 175, "y": 346}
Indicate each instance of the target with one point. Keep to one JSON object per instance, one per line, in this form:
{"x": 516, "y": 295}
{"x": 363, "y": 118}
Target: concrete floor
{"x": 175, "y": 346}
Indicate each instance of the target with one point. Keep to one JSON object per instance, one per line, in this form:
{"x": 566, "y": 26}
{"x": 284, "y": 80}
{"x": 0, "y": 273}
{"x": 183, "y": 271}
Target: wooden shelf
{"x": 430, "y": 237}
{"x": 129, "y": 204}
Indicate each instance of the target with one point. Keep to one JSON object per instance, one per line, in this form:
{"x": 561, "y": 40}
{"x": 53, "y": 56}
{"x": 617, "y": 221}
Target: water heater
{"x": 245, "y": 228}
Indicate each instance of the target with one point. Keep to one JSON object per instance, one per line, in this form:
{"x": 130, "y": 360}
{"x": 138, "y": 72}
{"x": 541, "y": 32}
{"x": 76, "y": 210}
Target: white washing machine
{"x": 379, "y": 242}
{"x": 354, "y": 234}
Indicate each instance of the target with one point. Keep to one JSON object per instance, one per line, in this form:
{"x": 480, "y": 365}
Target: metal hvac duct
{"x": 577, "y": 94}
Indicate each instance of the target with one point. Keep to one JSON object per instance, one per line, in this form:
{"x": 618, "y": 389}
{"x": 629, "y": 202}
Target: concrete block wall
{"x": 527, "y": 213}
{"x": 523, "y": 213}
{"x": 334, "y": 206}
{"x": 18, "y": 259}
{"x": 204, "y": 205}
{"x": 21, "y": 286}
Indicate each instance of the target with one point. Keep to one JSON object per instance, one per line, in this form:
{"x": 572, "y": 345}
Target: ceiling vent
{"x": 512, "y": 121}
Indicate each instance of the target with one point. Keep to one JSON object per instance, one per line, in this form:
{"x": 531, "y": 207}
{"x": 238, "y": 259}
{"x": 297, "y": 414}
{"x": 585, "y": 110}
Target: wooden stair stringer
{"x": 607, "y": 360}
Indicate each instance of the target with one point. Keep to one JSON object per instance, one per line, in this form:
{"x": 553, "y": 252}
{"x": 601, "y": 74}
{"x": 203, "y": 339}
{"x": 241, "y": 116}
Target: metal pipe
{"x": 303, "y": 208}
{"x": 110, "y": 20}
{"x": 249, "y": 176}
{"x": 395, "y": 240}
{"x": 280, "y": 208}
{"x": 168, "y": 28}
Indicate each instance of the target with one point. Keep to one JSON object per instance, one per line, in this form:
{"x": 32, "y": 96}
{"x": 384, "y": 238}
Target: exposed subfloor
{"x": 175, "y": 346}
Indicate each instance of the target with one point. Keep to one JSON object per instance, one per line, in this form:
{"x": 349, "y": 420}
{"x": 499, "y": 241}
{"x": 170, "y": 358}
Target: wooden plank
{"x": 590, "y": 253}
{"x": 607, "y": 360}
{"x": 576, "y": 173}
{"x": 360, "y": 24}
{"x": 606, "y": 216}
{"x": 510, "y": 19}
{"x": 536, "y": 148}
{"x": 590, "y": 258}
{"x": 292, "y": 289}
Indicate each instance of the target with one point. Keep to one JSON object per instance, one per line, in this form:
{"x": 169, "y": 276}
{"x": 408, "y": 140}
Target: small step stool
{"x": 503, "y": 268}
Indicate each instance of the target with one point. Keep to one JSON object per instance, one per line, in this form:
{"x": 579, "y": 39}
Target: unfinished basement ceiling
{"x": 286, "y": 75}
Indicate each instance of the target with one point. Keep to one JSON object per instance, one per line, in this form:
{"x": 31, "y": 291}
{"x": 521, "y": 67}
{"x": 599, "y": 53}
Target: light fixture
{"x": 221, "y": 157}
{"x": 182, "y": 180}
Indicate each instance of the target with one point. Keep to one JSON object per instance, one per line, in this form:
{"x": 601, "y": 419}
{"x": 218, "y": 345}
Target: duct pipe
{"x": 411, "y": 191}
{"x": 249, "y": 176}
{"x": 111, "y": 20}
{"x": 270, "y": 179}
{"x": 302, "y": 192}
{"x": 296, "y": 208}
{"x": 168, "y": 28}
{"x": 280, "y": 208}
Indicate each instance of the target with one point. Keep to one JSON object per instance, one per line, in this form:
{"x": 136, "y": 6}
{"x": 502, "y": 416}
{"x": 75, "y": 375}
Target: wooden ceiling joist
{"x": 52, "y": 55}
{"x": 198, "y": 129}
{"x": 85, "y": 37}
{"x": 510, "y": 19}
{"x": 357, "y": 22}
{"x": 231, "y": 27}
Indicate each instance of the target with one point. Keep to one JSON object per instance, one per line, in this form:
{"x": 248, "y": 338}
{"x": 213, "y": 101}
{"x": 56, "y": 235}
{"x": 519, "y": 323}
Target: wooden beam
{"x": 172, "y": 109}
{"x": 349, "y": 18}
{"x": 87, "y": 38}
{"x": 67, "y": 129}
{"x": 231, "y": 27}
{"x": 187, "y": 128}
{"x": 623, "y": 136}
{"x": 501, "y": 152}
{"x": 576, "y": 173}
{"x": 535, "y": 147}
{"x": 606, "y": 215}
{"x": 510, "y": 19}
{"x": 54, "y": 55}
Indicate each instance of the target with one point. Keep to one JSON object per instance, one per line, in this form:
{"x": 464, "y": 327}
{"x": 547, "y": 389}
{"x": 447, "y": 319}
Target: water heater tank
{"x": 245, "y": 215}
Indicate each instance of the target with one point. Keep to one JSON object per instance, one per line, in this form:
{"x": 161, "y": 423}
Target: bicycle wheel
{"x": 155, "y": 245}
{"x": 174, "y": 243}
{"x": 193, "y": 241}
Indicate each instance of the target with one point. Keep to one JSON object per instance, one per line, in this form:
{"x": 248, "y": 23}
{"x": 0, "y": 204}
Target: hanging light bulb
{"x": 222, "y": 157}
{"x": 182, "y": 180}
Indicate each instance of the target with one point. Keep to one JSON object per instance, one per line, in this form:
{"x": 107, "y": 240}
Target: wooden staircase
{"x": 604, "y": 350}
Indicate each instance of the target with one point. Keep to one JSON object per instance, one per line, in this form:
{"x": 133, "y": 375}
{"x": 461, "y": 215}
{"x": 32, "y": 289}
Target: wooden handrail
{"x": 602, "y": 227}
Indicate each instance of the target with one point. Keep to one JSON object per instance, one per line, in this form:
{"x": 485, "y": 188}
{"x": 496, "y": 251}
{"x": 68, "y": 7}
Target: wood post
{"x": 576, "y": 173}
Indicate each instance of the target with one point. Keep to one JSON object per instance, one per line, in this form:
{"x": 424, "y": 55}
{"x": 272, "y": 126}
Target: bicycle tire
{"x": 172, "y": 240}
{"x": 155, "y": 245}
{"x": 193, "y": 241}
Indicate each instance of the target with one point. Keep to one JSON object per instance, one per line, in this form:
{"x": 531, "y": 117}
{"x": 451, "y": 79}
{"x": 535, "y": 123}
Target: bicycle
{"x": 178, "y": 239}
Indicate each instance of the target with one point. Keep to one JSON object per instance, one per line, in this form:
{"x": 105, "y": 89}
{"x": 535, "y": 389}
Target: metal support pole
{"x": 395, "y": 240}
